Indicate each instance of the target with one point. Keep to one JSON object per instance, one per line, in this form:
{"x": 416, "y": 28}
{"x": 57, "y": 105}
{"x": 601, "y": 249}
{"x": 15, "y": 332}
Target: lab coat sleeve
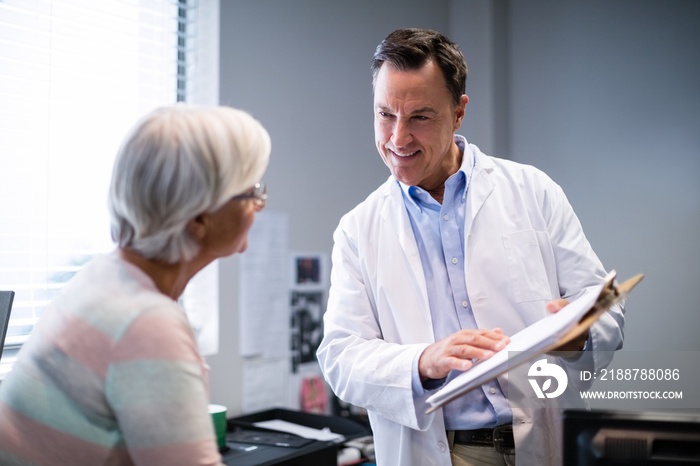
{"x": 578, "y": 268}
{"x": 358, "y": 362}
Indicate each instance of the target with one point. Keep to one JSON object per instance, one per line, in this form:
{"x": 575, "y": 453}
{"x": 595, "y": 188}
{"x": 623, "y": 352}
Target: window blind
{"x": 74, "y": 76}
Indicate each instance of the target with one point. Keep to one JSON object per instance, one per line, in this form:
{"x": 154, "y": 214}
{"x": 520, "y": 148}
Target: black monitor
{"x": 621, "y": 438}
{"x": 6, "y": 298}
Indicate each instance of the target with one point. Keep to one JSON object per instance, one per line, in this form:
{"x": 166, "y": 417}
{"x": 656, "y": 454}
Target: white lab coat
{"x": 523, "y": 247}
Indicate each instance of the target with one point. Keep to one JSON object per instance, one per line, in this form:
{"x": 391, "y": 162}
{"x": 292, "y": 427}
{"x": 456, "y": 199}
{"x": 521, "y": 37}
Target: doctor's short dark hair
{"x": 410, "y": 49}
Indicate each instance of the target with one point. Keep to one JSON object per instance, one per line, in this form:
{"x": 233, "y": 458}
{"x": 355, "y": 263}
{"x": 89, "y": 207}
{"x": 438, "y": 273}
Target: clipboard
{"x": 543, "y": 336}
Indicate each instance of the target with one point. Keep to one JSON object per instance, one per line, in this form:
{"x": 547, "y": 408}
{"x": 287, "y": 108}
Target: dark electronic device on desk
{"x": 622, "y": 438}
{"x": 250, "y": 445}
{"x": 6, "y": 298}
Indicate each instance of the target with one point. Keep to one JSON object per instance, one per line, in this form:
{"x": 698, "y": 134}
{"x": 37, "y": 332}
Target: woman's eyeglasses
{"x": 258, "y": 194}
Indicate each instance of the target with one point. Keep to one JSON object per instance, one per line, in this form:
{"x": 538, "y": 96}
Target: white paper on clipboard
{"x": 540, "y": 337}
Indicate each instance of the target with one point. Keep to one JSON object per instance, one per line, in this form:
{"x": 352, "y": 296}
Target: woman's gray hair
{"x": 176, "y": 163}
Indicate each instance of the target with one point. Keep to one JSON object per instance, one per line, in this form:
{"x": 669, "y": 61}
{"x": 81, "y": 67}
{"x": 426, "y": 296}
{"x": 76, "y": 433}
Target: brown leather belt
{"x": 500, "y": 438}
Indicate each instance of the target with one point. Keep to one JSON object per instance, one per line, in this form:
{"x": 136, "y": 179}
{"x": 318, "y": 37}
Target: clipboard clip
{"x": 612, "y": 293}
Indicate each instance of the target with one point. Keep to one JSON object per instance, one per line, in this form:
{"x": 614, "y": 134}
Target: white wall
{"x": 479, "y": 27}
{"x": 603, "y": 96}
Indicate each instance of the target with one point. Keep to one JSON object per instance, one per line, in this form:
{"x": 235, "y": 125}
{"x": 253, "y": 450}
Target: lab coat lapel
{"x": 480, "y": 187}
{"x": 395, "y": 216}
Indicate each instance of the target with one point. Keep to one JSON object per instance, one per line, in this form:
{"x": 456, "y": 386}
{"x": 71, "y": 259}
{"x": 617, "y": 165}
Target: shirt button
{"x": 446, "y": 217}
{"x": 492, "y": 391}
{"x": 465, "y": 303}
{"x": 442, "y": 448}
{"x": 454, "y": 260}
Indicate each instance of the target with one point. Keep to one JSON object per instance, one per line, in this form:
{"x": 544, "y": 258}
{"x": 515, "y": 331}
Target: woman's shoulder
{"x": 109, "y": 294}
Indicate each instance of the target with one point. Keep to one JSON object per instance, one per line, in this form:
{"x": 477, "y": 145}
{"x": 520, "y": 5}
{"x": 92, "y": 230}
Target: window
{"x": 74, "y": 76}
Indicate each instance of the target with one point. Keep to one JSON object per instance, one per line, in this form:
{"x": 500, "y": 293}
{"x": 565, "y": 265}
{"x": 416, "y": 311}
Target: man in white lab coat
{"x": 453, "y": 253}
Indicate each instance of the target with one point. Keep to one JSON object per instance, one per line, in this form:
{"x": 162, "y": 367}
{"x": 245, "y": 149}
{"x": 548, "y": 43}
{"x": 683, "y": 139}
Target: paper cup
{"x": 218, "y": 417}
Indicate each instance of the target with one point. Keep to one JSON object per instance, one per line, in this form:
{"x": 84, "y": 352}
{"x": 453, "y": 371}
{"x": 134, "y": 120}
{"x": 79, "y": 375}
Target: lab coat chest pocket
{"x": 526, "y": 266}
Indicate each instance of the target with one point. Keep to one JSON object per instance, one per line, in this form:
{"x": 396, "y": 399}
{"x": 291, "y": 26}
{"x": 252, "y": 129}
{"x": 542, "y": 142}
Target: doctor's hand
{"x": 577, "y": 343}
{"x": 458, "y": 350}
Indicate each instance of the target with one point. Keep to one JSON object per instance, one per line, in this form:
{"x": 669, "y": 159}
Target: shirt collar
{"x": 411, "y": 193}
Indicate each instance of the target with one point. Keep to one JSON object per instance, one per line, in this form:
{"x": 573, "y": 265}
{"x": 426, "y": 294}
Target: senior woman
{"x": 112, "y": 374}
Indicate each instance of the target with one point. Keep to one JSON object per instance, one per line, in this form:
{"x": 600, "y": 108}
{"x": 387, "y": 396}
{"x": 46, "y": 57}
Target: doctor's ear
{"x": 461, "y": 110}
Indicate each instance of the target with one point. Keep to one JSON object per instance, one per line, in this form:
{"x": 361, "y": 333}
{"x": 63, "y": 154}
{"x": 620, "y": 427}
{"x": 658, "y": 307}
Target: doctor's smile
{"x": 403, "y": 156}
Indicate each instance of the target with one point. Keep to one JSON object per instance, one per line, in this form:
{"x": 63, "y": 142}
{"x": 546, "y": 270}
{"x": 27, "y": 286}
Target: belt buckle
{"x": 503, "y": 439}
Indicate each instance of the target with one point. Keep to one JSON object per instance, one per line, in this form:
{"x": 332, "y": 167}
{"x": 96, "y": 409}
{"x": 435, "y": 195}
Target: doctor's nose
{"x": 401, "y": 135}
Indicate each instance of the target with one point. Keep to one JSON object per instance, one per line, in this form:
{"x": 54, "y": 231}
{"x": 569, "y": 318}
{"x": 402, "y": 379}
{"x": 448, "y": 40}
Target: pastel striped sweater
{"x": 110, "y": 376}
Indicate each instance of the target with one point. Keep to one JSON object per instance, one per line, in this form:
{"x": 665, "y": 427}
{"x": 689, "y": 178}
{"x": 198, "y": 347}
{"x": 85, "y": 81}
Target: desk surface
{"x": 317, "y": 453}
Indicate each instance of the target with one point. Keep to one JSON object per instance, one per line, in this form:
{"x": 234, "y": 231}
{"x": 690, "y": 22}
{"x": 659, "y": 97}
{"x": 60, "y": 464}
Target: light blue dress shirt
{"x": 439, "y": 233}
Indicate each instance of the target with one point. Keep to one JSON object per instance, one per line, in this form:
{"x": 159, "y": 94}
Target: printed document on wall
{"x": 264, "y": 287}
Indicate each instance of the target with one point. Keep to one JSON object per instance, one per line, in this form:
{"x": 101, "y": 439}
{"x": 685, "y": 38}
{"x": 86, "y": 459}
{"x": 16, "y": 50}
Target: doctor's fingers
{"x": 436, "y": 361}
{"x": 467, "y": 346}
{"x": 493, "y": 340}
{"x": 458, "y": 350}
{"x": 556, "y": 305}
{"x": 462, "y": 357}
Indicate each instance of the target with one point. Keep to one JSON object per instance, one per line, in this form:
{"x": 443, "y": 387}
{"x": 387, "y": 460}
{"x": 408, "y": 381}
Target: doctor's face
{"x": 414, "y": 125}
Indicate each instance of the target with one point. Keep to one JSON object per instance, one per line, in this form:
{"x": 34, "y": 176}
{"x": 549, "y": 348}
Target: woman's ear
{"x": 197, "y": 227}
